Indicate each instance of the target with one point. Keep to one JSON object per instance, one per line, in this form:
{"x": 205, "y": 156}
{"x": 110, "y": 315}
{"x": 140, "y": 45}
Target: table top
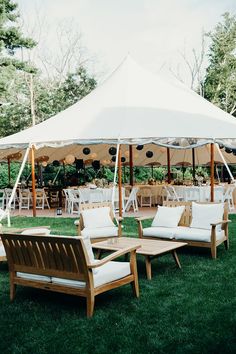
{"x": 148, "y": 247}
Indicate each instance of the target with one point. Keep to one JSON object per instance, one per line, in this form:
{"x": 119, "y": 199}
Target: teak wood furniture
{"x": 61, "y": 264}
{"x": 186, "y": 221}
{"x": 80, "y": 223}
{"x": 39, "y": 230}
{"x": 150, "y": 249}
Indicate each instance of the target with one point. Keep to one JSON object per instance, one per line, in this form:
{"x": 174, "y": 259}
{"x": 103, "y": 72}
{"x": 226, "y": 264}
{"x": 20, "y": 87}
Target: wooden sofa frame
{"x": 62, "y": 257}
{"x": 186, "y": 221}
{"x": 4, "y": 258}
{"x": 80, "y": 223}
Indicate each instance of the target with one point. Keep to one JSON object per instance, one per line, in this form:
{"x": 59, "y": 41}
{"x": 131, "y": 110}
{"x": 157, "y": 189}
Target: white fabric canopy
{"x": 132, "y": 106}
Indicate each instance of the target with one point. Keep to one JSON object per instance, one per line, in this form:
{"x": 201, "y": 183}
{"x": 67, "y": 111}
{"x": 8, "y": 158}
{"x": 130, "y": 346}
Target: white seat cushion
{"x": 33, "y": 277}
{"x": 97, "y": 218}
{"x": 100, "y": 232}
{"x": 40, "y": 231}
{"x": 163, "y": 232}
{"x": 107, "y": 273}
{"x": 194, "y": 234}
{"x": 168, "y": 216}
{"x": 2, "y": 251}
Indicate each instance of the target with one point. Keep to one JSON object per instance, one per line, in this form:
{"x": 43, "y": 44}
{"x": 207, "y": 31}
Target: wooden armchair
{"x": 62, "y": 264}
{"x": 98, "y": 234}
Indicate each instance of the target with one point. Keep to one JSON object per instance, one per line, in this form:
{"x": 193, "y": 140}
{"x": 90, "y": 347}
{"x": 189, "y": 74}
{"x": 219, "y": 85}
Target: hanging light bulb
{"x": 70, "y": 159}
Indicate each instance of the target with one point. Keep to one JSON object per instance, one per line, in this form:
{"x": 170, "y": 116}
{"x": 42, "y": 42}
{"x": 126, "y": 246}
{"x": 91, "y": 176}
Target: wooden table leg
{"x": 148, "y": 267}
{"x": 174, "y": 254}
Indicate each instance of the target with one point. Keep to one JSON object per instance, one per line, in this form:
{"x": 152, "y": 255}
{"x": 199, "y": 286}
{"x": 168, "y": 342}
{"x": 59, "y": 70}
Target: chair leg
{"x": 213, "y": 252}
{"x": 90, "y": 305}
{"x": 12, "y": 291}
{"x": 226, "y": 243}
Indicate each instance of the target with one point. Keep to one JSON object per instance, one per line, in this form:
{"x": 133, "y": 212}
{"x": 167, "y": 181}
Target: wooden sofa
{"x": 80, "y": 223}
{"x": 185, "y": 221}
{"x": 62, "y": 264}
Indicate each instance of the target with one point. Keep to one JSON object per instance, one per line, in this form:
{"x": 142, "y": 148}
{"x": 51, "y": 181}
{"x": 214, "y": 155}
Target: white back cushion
{"x": 203, "y": 215}
{"x": 40, "y": 231}
{"x": 168, "y": 216}
{"x": 88, "y": 246}
{"x": 97, "y": 217}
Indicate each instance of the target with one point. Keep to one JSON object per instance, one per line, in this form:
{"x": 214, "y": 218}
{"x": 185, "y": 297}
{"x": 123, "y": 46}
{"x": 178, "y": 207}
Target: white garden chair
{"x": 25, "y": 199}
{"x": 228, "y": 196}
{"x": 146, "y": 197}
{"x": 74, "y": 201}
{"x": 2, "y": 198}
{"x": 171, "y": 194}
{"x": 67, "y": 201}
{"x": 41, "y": 199}
{"x": 8, "y": 193}
{"x": 131, "y": 200}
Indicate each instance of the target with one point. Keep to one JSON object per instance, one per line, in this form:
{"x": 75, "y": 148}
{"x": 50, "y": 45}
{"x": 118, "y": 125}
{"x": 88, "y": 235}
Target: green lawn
{"x": 192, "y": 310}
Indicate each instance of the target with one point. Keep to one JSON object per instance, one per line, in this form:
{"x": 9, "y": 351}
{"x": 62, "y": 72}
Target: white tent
{"x": 132, "y": 106}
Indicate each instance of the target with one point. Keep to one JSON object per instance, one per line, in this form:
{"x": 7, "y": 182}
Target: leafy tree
{"x": 14, "y": 113}
{"x": 51, "y": 98}
{"x": 220, "y": 80}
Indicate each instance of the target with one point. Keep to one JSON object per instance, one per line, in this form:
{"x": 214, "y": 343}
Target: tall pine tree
{"x": 220, "y": 80}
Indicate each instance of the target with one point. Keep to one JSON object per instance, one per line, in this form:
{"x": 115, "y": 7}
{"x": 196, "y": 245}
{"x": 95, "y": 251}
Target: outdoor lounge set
{"x": 67, "y": 264}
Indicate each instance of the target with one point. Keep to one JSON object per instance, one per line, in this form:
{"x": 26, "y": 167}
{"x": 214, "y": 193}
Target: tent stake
{"x": 131, "y": 166}
{"x": 168, "y": 165}
{"x": 120, "y": 181}
{"x": 33, "y": 181}
{"x": 212, "y": 172}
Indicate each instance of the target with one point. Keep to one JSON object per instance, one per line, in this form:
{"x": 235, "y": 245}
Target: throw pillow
{"x": 168, "y": 216}
{"x": 203, "y": 215}
{"x": 97, "y": 217}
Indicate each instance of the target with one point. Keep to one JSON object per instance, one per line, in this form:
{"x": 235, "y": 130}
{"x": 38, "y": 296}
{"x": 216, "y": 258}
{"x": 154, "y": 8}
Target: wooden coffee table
{"x": 150, "y": 249}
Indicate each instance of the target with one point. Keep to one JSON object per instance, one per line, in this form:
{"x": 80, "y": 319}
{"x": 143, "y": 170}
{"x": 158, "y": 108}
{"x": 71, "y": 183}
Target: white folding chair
{"x": 228, "y": 196}
{"x": 25, "y": 199}
{"x": 171, "y": 194}
{"x": 131, "y": 200}
{"x": 41, "y": 199}
{"x": 67, "y": 201}
{"x": 74, "y": 200}
{"x": 8, "y": 193}
{"x": 145, "y": 197}
{"x": 2, "y": 198}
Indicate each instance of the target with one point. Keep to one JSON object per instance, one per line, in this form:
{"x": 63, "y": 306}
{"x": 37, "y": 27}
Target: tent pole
{"x": 131, "y": 166}
{"x": 33, "y": 180}
{"x": 168, "y": 165}
{"x": 8, "y": 207}
{"x": 193, "y": 161}
{"x": 212, "y": 172}
{"x": 120, "y": 181}
{"x": 9, "y": 170}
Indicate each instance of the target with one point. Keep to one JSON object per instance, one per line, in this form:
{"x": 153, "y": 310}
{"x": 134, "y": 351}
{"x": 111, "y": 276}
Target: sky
{"x": 154, "y": 32}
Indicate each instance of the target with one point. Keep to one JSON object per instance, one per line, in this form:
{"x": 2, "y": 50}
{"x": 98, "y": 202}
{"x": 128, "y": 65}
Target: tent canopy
{"x": 132, "y": 106}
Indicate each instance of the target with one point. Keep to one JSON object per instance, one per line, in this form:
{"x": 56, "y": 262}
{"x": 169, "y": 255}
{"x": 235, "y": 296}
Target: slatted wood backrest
{"x": 187, "y": 214}
{"x": 88, "y": 206}
{"x": 63, "y": 257}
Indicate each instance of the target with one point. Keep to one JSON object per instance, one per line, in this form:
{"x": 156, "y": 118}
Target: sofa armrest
{"x": 113, "y": 256}
{"x": 77, "y": 224}
{"x": 140, "y": 226}
{"x": 221, "y": 222}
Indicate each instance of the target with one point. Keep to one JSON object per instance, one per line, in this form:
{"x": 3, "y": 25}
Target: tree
{"x": 14, "y": 113}
{"x": 220, "y": 80}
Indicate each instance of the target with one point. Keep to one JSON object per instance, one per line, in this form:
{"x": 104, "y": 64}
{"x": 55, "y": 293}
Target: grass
{"x": 192, "y": 310}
